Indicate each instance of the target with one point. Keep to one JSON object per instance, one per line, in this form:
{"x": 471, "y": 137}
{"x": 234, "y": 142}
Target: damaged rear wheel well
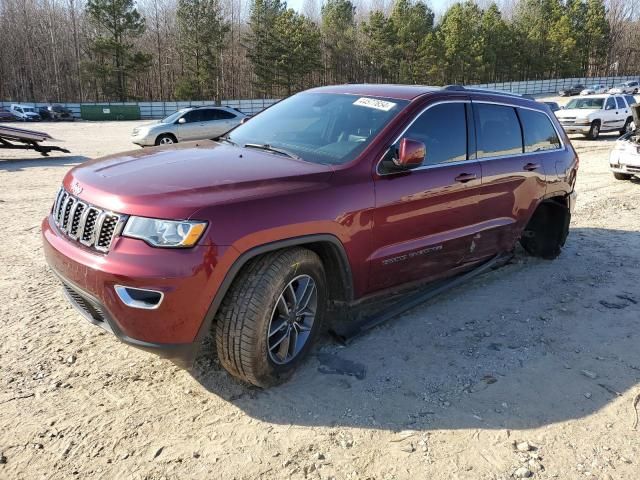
{"x": 547, "y": 230}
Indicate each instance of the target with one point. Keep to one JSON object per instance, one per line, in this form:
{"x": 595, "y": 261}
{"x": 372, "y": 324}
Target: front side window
{"x": 324, "y": 128}
{"x": 539, "y": 133}
{"x": 611, "y": 104}
{"x": 620, "y": 102}
{"x": 193, "y": 116}
{"x": 498, "y": 130}
{"x": 443, "y": 130}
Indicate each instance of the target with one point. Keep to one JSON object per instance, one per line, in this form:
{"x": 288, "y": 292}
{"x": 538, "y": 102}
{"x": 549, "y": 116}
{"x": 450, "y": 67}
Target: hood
{"x": 575, "y": 112}
{"x": 175, "y": 182}
{"x": 31, "y": 114}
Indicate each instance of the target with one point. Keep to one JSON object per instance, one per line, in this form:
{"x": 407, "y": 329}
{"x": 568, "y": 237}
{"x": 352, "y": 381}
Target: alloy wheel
{"x": 292, "y": 319}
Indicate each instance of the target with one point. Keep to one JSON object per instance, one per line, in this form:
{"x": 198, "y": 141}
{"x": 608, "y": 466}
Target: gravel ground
{"x": 532, "y": 369}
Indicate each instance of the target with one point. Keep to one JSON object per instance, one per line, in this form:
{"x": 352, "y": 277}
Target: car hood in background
{"x": 575, "y": 112}
{"x": 174, "y": 182}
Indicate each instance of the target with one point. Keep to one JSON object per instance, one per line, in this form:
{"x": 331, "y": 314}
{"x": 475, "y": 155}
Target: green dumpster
{"x": 110, "y": 112}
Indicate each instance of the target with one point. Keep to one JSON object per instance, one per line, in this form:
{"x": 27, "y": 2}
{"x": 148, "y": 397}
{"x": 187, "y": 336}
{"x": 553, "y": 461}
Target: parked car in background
{"x": 572, "y": 90}
{"x": 24, "y": 113}
{"x": 553, "y": 106}
{"x": 56, "y": 112}
{"x": 624, "y": 159}
{"x": 626, "y": 87}
{"x": 330, "y": 197}
{"x": 6, "y": 115}
{"x": 595, "y": 89}
{"x": 193, "y": 123}
{"x": 593, "y": 114}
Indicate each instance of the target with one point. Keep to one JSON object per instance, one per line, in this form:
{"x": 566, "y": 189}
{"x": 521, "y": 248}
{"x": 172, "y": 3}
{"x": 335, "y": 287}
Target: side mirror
{"x": 182, "y": 120}
{"x": 411, "y": 154}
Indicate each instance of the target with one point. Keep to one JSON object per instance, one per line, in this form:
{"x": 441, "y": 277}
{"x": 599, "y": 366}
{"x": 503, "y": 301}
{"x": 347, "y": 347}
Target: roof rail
{"x": 461, "y": 88}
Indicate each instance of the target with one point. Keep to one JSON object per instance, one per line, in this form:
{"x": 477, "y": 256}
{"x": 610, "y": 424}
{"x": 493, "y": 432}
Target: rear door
{"x": 221, "y": 121}
{"x": 513, "y": 172}
{"x": 424, "y": 218}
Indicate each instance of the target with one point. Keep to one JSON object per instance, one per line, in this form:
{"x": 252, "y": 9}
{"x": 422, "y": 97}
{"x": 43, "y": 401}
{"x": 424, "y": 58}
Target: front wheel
{"x": 621, "y": 176}
{"x": 166, "y": 139}
{"x": 271, "y": 316}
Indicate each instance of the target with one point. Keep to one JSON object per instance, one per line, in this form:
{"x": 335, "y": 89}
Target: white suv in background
{"x": 193, "y": 123}
{"x": 593, "y": 114}
{"x": 24, "y": 112}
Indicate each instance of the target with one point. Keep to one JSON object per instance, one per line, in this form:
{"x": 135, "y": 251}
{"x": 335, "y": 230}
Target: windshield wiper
{"x": 269, "y": 148}
{"x": 225, "y": 138}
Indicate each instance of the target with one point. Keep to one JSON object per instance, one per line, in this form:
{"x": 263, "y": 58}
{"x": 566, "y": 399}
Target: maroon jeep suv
{"x": 332, "y": 196}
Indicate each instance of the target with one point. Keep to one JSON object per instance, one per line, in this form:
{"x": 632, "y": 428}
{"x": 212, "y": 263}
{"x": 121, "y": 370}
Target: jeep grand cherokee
{"x": 334, "y": 195}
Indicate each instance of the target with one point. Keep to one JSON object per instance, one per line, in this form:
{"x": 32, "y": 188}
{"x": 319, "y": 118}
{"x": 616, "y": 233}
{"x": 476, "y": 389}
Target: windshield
{"x": 173, "y": 117}
{"x": 319, "y": 127}
{"x": 592, "y": 103}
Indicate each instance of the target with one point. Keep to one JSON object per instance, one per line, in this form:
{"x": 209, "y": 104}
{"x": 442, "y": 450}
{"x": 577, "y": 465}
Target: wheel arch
{"x": 328, "y": 247}
{"x": 165, "y": 134}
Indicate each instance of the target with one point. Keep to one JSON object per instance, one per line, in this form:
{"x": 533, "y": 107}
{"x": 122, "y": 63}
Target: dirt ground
{"x": 534, "y": 366}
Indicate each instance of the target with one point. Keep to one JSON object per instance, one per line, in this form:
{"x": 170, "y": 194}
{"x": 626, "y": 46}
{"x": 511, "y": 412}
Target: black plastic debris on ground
{"x": 334, "y": 365}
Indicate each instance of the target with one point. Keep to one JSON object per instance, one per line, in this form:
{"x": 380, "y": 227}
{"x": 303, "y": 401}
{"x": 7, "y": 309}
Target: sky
{"x": 438, "y": 6}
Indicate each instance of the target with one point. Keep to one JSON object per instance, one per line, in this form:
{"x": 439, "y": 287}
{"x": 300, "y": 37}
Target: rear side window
{"x": 498, "y": 130}
{"x": 630, "y": 99}
{"x": 620, "y": 102}
{"x": 225, "y": 115}
{"x": 443, "y": 130}
{"x": 539, "y": 133}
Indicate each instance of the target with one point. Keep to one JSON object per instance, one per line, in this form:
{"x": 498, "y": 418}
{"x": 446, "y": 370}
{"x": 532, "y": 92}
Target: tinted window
{"x": 611, "y": 105}
{"x": 225, "y": 115}
{"x": 620, "y": 102}
{"x": 193, "y": 116}
{"x": 443, "y": 130}
{"x": 630, "y": 99}
{"x": 498, "y": 130}
{"x": 539, "y": 133}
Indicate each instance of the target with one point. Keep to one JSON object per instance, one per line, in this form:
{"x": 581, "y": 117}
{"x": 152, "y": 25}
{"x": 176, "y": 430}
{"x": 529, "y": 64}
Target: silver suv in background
{"x": 193, "y": 123}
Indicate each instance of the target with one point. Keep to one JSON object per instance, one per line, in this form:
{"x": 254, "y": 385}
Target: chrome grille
{"x": 82, "y": 222}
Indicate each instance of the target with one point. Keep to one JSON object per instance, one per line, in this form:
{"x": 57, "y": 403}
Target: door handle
{"x": 529, "y": 167}
{"x": 465, "y": 177}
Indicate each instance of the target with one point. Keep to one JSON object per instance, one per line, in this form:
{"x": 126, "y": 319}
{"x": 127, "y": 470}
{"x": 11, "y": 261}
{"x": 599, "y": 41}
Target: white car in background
{"x": 594, "y": 89}
{"x": 593, "y": 114}
{"x": 193, "y": 123}
{"x": 24, "y": 113}
{"x": 624, "y": 159}
{"x": 626, "y": 87}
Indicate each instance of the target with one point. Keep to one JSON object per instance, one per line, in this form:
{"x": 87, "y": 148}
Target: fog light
{"x": 139, "y": 297}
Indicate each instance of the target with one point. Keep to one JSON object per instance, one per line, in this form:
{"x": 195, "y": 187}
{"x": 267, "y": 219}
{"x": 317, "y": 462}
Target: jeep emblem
{"x": 76, "y": 188}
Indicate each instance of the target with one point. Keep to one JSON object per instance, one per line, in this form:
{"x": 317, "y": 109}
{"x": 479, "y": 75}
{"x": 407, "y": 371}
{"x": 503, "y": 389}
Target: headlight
{"x": 164, "y": 233}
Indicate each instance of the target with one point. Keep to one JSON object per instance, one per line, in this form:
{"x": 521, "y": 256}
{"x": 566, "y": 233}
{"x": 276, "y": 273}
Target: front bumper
{"x": 621, "y": 161}
{"x": 573, "y": 128}
{"x": 184, "y": 276}
{"x": 144, "y": 140}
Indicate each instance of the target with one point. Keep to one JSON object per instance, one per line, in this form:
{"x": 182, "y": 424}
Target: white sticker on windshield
{"x": 374, "y": 103}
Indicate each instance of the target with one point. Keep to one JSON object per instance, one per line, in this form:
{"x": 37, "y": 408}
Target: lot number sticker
{"x": 374, "y": 103}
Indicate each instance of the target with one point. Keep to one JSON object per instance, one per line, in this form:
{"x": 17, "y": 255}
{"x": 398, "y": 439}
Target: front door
{"x": 611, "y": 116}
{"x": 424, "y": 218}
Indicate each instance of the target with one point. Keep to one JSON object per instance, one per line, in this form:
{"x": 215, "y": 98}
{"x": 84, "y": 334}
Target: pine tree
{"x": 202, "y": 33}
{"x": 114, "y": 60}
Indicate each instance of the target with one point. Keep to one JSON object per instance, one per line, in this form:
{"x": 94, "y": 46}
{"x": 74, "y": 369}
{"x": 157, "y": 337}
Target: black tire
{"x": 594, "y": 131}
{"x": 166, "y": 139}
{"x": 622, "y": 176}
{"x": 547, "y": 230}
{"x": 626, "y": 127}
{"x": 245, "y": 316}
